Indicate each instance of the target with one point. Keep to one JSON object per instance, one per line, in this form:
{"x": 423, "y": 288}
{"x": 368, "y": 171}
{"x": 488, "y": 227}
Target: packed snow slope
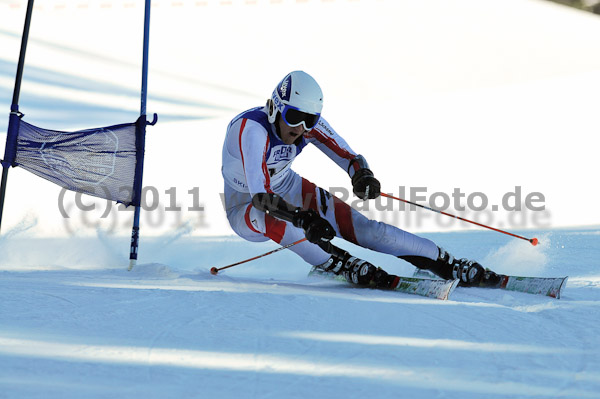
{"x": 74, "y": 323}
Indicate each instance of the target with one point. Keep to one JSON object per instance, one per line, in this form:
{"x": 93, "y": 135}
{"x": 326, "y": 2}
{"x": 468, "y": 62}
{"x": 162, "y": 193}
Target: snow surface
{"x": 75, "y": 327}
{"x": 490, "y": 81}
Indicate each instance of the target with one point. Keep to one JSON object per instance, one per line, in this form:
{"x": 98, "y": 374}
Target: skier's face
{"x": 289, "y": 134}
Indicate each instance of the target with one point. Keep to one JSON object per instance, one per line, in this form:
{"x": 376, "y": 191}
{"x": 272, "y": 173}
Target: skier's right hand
{"x": 364, "y": 185}
{"x": 315, "y": 227}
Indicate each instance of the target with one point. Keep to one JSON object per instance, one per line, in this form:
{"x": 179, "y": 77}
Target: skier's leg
{"x": 254, "y": 225}
{"x": 358, "y": 229}
{"x": 258, "y": 226}
{"x": 325, "y": 256}
{"x": 382, "y": 237}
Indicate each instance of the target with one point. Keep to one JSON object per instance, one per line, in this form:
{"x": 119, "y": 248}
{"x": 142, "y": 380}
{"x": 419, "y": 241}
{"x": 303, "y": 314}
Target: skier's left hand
{"x": 365, "y": 185}
{"x": 316, "y": 228}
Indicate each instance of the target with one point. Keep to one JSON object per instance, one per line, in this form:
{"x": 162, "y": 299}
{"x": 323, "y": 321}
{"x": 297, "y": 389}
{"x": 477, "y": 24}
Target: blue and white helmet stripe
{"x": 284, "y": 88}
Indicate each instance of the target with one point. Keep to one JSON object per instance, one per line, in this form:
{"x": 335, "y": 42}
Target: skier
{"x": 265, "y": 199}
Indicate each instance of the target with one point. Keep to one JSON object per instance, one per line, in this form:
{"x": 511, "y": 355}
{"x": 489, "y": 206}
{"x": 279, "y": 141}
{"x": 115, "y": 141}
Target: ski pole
{"x": 215, "y": 270}
{"x": 533, "y": 241}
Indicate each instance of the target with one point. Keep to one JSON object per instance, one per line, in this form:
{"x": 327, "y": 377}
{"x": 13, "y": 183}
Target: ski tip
{"x": 534, "y": 241}
{"x": 214, "y": 271}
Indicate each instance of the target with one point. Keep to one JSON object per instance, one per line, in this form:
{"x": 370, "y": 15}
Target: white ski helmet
{"x": 299, "y": 100}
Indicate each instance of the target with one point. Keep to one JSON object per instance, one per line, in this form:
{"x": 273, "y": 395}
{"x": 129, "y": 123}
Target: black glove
{"x": 365, "y": 185}
{"x": 315, "y": 228}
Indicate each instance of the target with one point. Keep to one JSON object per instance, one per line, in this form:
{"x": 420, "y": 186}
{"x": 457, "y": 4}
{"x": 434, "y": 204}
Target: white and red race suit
{"x": 255, "y": 160}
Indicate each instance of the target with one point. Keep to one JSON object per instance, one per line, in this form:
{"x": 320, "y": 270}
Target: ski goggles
{"x": 293, "y": 117}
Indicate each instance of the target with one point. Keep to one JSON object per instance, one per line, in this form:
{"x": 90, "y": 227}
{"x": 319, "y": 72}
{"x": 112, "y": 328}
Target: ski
{"x": 549, "y": 286}
{"x": 432, "y": 288}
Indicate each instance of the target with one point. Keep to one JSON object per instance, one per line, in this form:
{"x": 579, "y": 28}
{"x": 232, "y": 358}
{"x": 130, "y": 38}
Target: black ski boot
{"x": 470, "y": 273}
{"x": 357, "y": 271}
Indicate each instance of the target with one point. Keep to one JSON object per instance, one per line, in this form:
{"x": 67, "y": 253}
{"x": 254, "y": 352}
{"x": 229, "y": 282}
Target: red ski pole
{"x": 533, "y": 241}
{"x": 216, "y": 270}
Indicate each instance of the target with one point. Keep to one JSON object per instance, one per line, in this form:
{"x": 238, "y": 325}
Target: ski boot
{"x": 358, "y": 271}
{"x": 470, "y": 273}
